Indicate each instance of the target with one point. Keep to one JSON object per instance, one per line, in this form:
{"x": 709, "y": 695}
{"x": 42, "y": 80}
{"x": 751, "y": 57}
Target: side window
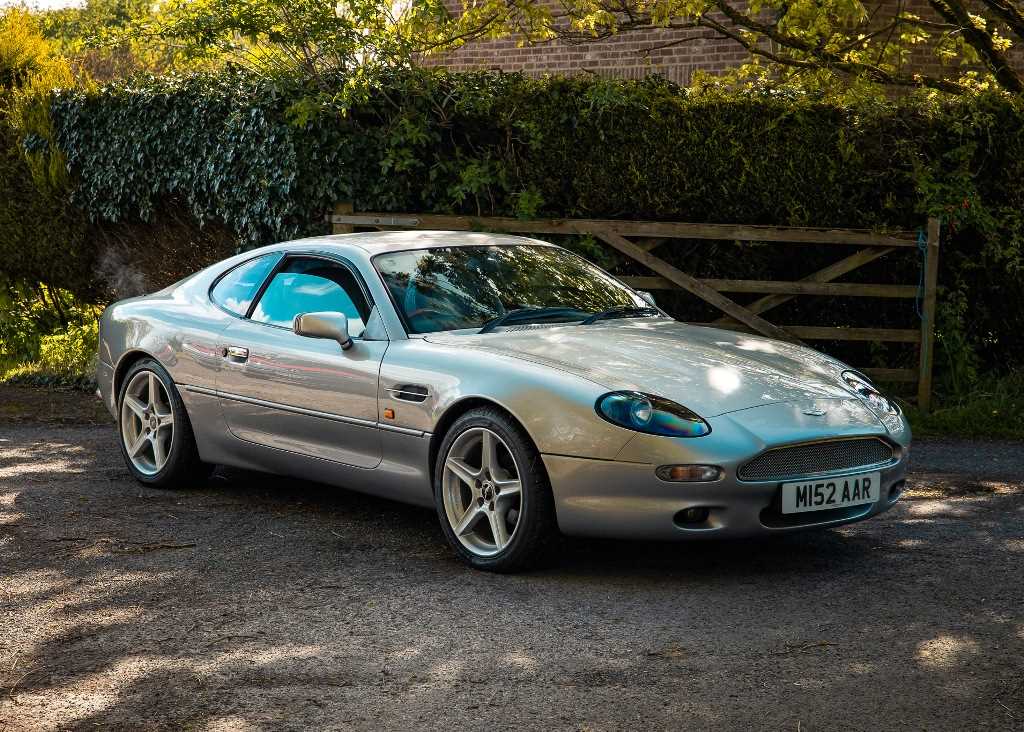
{"x": 309, "y": 285}
{"x": 238, "y": 287}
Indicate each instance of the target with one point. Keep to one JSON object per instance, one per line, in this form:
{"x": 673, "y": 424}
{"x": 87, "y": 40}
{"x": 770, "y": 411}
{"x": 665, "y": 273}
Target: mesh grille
{"x": 816, "y": 457}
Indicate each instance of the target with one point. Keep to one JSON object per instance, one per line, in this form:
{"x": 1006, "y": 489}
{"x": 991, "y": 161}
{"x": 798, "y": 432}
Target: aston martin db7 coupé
{"x": 508, "y": 383}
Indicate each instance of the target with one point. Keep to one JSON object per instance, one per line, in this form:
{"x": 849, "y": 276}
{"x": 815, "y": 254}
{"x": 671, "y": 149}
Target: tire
{"x": 463, "y": 478}
{"x": 174, "y": 462}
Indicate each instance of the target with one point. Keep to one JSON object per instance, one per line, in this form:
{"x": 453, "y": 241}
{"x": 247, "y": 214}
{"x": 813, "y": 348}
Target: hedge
{"x": 267, "y": 157}
{"x": 40, "y": 237}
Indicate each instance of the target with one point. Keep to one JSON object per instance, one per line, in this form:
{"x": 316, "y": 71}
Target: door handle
{"x": 238, "y": 354}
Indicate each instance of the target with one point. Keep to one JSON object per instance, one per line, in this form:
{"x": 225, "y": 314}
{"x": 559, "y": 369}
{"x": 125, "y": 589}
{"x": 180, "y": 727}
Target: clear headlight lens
{"x": 868, "y": 393}
{"x": 654, "y": 415}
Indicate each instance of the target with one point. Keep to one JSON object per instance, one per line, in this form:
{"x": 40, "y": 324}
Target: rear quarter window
{"x": 235, "y": 290}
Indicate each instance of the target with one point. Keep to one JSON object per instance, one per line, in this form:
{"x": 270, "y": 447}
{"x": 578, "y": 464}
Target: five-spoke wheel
{"x": 156, "y": 435}
{"x": 482, "y": 491}
{"x": 492, "y": 493}
{"x": 147, "y": 423}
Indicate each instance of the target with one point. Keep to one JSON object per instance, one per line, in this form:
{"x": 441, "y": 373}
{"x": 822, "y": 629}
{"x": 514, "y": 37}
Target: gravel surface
{"x": 255, "y": 602}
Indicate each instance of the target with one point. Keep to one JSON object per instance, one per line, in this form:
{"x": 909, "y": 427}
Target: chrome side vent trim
{"x": 409, "y": 393}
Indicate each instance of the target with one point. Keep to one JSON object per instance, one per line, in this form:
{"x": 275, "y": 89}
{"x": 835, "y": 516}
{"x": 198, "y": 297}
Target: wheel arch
{"x": 456, "y": 410}
{"x": 124, "y": 365}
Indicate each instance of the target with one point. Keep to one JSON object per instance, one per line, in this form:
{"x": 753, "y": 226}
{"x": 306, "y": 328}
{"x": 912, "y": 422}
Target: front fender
{"x": 556, "y": 408}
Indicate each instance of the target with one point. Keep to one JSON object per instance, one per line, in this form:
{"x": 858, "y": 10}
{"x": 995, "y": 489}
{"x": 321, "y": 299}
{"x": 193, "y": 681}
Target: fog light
{"x": 692, "y": 515}
{"x": 689, "y": 473}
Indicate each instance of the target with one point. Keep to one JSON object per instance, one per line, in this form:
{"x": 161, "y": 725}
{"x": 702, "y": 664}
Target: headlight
{"x": 651, "y": 414}
{"x": 868, "y": 393}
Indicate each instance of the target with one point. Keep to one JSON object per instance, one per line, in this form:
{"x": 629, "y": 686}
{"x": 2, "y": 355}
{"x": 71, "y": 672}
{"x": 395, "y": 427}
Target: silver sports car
{"x": 510, "y": 384}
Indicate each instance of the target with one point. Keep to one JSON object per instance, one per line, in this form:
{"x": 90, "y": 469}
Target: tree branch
{"x": 981, "y": 41}
{"x": 830, "y": 61}
{"x": 1007, "y": 12}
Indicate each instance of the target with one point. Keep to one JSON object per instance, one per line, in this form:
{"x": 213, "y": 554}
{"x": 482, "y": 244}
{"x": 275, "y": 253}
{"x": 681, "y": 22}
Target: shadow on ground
{"x": 259, "y": 602}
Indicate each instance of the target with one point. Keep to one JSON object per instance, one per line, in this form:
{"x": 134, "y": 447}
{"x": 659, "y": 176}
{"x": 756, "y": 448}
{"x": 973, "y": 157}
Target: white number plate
{"x": 822, "y": 494}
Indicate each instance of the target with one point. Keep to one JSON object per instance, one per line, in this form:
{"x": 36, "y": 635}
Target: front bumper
{"x": 628, "y": 501}
{"x": 622, "y": 497}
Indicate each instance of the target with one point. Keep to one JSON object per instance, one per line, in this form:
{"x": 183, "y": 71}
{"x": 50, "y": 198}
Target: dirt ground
{"x": 255, "y": 602}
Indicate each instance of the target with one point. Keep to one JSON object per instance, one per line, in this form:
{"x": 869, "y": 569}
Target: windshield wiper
{"x": 622, "y": 311}
{"x": 527, "y": 313}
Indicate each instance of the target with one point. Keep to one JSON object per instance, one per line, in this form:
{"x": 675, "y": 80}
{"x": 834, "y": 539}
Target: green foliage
{"x": 955, "y": 48}
{"x": 23, "y": 51}
{"x": 47, "y": 337}
{"x": 23, "y": 319}
{"x": 27, "y": 318}
{"x": 40, "y": 237}
{"x": 72, "y": 353}
{"x": 992, "y": 408}
{"x": 222, "y": 145}
{"x": 267, "y": 157}
{"x": 273, "y": 36}
{"x": 94, "y": 36}
{"x": 77, "y": 27}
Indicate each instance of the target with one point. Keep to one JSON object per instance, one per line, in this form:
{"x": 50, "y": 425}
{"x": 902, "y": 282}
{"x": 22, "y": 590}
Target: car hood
{"x": 708, "y": 370}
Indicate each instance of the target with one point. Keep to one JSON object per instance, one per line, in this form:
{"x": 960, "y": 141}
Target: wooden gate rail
{"x": 638, "y": 239}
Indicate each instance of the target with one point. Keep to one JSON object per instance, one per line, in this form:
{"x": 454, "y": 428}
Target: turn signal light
{"x": 689, "y": 473}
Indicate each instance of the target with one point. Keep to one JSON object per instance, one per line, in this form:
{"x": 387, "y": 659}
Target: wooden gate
{"x": 638, "y": 239}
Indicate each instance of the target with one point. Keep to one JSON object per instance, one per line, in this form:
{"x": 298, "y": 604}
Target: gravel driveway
{"x": 256, "y": 602}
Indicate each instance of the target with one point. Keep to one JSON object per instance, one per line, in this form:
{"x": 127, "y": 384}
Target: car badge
{"x": 815, "y": 411}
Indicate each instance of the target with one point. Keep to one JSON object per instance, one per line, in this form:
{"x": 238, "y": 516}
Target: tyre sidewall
{"x": 512, "y": 556}
{"x": 180, "y": 434}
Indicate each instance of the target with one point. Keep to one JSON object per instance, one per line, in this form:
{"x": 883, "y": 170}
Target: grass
{"x": 992, "y": 409}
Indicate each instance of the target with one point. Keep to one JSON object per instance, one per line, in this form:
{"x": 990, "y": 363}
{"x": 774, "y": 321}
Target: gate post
{"x": 931, "y": 278}
{"x": 342, "y": 209}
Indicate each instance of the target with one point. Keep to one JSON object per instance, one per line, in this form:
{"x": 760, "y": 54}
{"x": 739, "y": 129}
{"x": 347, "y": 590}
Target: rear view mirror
{"x": 324, "y": 325}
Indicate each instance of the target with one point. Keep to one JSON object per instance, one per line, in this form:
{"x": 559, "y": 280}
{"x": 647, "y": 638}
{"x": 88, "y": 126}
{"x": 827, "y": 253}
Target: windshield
{"x": 454, "y": 288}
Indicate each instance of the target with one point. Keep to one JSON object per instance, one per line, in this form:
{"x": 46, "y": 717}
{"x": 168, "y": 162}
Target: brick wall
{"x": 674, "y": 54}
{"x": 630, "y": 56}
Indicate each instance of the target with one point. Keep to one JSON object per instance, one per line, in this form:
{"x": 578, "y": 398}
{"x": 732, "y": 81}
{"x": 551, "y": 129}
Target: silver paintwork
{"x": 324, "y": 325}
{"x": 261, "y": 397}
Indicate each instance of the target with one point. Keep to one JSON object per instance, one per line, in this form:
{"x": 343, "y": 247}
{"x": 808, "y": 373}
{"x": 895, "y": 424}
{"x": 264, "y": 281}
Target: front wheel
{"x": 492, "y": 494}
{"x": 156, "y": 435}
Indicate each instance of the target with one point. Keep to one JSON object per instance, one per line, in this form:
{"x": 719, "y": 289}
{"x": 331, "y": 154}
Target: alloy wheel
{"x": 147, "y": 423}
{"x": 482, "y": 491}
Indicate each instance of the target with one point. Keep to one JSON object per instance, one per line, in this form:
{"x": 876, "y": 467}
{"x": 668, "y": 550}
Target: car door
{"x": 300, "y": 394}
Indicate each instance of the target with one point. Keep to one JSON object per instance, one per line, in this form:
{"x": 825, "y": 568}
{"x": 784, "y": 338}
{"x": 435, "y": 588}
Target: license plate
{"x": 822, "y": 494}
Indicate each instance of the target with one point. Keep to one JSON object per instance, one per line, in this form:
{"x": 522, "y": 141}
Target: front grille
{"x": 814, "y": 458}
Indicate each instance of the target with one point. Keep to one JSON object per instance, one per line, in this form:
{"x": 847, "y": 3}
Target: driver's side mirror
{"x": 324, "y": 325}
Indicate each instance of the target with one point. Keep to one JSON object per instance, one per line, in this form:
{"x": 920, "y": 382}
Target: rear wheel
{"x": 492, "y": 493}
{"x": 156, "y": 435}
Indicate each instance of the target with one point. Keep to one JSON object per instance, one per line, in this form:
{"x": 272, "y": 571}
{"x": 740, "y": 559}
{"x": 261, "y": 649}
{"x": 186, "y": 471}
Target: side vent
{"x": 409, "y": 393}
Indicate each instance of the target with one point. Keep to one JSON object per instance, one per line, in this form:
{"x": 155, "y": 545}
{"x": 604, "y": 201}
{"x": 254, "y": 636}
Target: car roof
{"x": 382, "y": 242}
